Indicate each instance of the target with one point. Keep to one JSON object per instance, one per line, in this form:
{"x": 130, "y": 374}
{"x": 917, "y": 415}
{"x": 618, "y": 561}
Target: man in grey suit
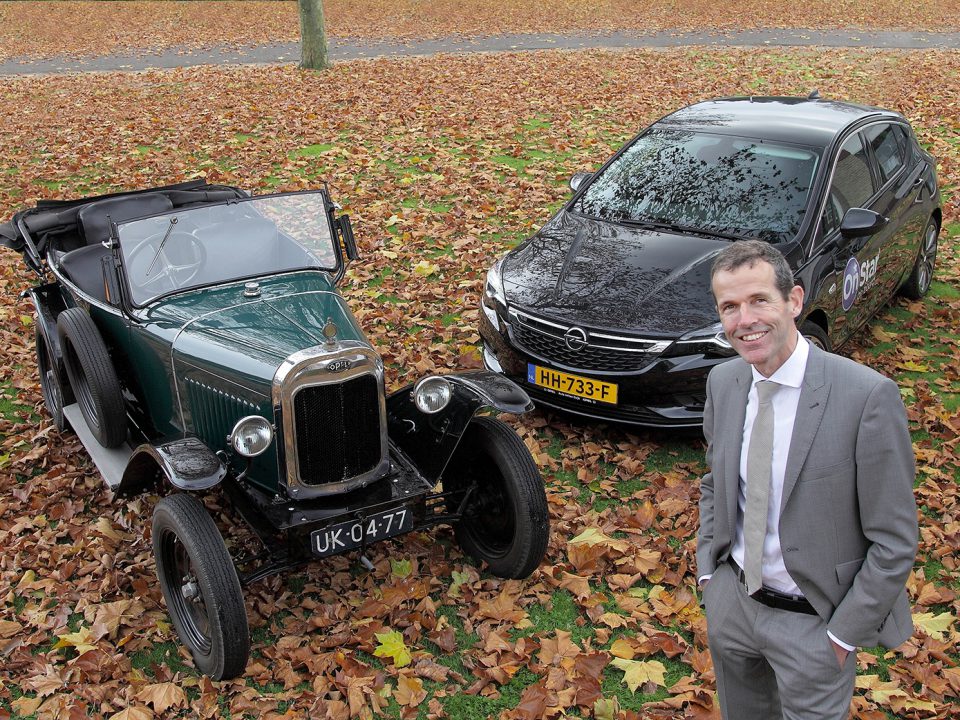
{"x": 808, "y": 524}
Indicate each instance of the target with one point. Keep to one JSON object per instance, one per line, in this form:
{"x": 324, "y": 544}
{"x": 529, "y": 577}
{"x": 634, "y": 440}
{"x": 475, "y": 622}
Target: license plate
{"x": 578, "y": 386}
{"x": 345, "y": 536}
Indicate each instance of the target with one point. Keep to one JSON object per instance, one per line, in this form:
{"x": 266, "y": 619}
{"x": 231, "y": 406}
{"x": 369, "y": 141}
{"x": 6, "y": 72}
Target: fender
{"x": 48, "y": 304}
{"x": 430, "y": 440}
{"x": 188, "y": 464}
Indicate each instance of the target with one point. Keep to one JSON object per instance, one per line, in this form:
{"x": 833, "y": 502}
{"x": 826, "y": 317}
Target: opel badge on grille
{"x": 575, "y": 338}
{"x": 336, "y": 366}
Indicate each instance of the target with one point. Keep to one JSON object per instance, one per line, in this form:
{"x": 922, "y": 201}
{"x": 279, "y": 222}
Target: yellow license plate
{"x": 575, "y": 385}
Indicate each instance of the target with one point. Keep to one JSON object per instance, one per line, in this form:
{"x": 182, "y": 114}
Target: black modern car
{"x": 607, "y": 311}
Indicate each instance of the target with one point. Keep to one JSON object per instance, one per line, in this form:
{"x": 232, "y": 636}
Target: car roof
{"x": 808, "y": 121}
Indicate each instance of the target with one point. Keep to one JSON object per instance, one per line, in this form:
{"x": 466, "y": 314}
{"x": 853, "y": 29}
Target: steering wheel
{"x": 155, "y": 264}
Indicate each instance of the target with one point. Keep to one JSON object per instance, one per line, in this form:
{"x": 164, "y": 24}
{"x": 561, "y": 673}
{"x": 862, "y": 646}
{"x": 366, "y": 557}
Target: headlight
{"x": 251, "y": 435}
{"x": 493, "y": 289}
{"x": 432, "y": 394}
{"x": 709, "y": 340}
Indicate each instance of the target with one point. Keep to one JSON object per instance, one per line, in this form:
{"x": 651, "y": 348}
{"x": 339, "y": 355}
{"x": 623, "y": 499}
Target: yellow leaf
{"x": 604, "y": 709}
{"x": 391, "y": 645}
{"x": 79, "y": 640}
{"x": 595, "y": 536}
{"x": 26, "y": 705}
{"x": 425, "y": 268}
{"x": 28, "y": 577}
{"x": 638, "y": 672}
{"x": 915, "y": 367}
{"x": 400, "y": 568}
{"x": 934, "y": 625}
{"x": 899, "y": 704}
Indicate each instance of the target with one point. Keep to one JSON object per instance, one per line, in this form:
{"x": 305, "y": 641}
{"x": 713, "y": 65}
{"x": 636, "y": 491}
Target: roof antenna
{"x": 815, "y": 95}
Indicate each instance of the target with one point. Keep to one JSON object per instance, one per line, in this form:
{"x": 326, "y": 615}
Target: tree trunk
{"x": 313, "y": 35}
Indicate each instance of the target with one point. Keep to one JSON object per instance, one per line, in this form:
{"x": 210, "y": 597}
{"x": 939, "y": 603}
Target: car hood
{"x": 607, "y": 276}
{"x": 251, "y": 337}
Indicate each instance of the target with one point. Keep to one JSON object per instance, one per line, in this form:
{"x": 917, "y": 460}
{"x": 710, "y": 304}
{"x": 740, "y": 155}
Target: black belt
{"x": 773, "y": 598}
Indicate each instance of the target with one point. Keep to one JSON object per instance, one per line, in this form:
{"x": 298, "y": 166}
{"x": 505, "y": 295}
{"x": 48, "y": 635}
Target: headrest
{"x": 94, "y": 219}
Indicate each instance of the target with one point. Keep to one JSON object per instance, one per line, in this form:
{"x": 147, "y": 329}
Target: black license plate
{"x": 345, "y": 536}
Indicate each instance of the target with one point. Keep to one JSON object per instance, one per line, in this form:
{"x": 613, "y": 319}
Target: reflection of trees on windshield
{"x": 712, "y": 182}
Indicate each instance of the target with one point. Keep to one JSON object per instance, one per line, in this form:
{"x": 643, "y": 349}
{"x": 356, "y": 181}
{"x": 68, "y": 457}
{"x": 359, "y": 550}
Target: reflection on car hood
{"x": 608, "y": 276}
{"x": 253, "y": 336}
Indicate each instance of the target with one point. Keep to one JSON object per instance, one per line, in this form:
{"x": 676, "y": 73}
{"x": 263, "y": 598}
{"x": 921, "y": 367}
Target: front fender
{"x": 430, "y": 440}
{"x": 188, "y": 464}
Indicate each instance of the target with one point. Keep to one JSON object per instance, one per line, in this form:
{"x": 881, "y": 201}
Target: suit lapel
{"x": 810, "y": 409}
{"x": 733, "y": 441}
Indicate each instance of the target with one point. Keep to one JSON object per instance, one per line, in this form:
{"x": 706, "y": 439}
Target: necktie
{"x": 759, "y": 464}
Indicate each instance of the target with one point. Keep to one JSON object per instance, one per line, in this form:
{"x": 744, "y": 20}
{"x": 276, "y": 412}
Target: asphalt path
{"x": 346, "y": 49}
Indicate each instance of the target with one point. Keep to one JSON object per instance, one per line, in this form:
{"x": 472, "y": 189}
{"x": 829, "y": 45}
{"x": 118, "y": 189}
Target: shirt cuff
{"x": 702, "y": 578}
{"x": 841, "y": 643}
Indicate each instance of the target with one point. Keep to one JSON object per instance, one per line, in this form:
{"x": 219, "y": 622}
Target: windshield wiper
{"x": 676, "y": 227}
{"x": 173, "y": 221}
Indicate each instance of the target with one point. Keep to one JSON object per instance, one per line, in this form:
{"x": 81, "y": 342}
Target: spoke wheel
{"x": 93, "y": 380}
{"x": 921, "y": 276}
{"x": 505, "y": 521}
{"x": 200, "y": 586}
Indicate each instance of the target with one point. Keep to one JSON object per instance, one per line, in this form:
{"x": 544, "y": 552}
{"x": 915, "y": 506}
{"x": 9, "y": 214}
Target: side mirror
{"x": 579, "y": 179}
{"x": 858, "y": 222}
{"x": 346, "y": 234}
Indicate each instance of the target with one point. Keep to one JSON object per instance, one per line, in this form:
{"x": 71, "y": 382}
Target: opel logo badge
{"x": 575, "y": 339}
{"x": 338, "y": 366}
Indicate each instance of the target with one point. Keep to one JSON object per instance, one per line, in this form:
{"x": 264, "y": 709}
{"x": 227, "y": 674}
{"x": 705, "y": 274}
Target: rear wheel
{"x": 92, "y": 378}
{"x": 200, "y": 586}
{"x": 816, "y": 335}
{"x": 55, "y": 396}
{"x": 921, "y": 276}
{"x": 505, "y": 521}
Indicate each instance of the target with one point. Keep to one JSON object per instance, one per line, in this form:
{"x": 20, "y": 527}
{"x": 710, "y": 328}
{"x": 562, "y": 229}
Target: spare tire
{"x": 92, "y": 378}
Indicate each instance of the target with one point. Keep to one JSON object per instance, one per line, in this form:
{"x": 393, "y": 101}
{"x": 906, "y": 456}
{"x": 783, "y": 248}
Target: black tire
{"x": 200, "y": 586}
{"x": 918, "y": 283}
{"x": 93, "y": 380}
{"x": 817, "y": 335}
{"x": 505, "y": 522}
{"x": 55, "y": 395}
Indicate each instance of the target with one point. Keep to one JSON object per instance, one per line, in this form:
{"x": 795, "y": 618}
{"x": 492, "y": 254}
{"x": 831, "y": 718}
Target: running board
{"x": 111, "y": 462}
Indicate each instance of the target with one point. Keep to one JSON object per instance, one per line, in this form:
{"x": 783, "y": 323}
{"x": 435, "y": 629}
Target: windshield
{"x": 217, "y": 243}
{"x": 716, "y": 183}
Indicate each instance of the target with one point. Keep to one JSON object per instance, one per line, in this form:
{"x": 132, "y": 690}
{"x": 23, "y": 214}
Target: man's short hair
{"x": 749, "y": 252}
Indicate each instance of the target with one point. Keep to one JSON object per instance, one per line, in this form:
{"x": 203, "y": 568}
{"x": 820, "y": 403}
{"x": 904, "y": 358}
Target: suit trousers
{"x": 772, "y": 663}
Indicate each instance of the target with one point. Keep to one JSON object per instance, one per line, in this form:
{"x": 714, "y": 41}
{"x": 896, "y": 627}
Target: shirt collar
{"x": 792, "y": 371}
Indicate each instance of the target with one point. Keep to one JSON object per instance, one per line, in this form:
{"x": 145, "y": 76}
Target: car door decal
{"x": 856, "y": 277}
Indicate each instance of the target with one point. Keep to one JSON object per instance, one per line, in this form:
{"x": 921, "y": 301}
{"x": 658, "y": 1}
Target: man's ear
{"x": 795, "y": 298}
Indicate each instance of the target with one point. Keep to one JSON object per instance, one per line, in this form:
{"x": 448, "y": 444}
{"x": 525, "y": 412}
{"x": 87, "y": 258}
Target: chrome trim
{"x": 309, "y": 368}
{"x": 655, "y": 345}
{"x": 83, "y": 296}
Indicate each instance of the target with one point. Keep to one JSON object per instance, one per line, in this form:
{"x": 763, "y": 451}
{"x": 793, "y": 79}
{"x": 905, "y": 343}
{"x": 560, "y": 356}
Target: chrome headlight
{"x": 493, "y": 288}
{"x": 251, "y": 436}
{"x": 432, "y": 394}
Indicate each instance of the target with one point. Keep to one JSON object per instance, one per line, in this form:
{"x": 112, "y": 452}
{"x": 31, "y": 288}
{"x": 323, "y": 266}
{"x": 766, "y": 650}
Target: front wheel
{"x": 55, "y": 395}
{"x": 200, "y": 586}
{"x": 505, "y": 521}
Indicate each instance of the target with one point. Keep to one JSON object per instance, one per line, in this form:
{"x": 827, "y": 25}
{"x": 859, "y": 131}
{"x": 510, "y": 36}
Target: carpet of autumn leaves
{"x": 443, "y": 163}
{"x": 44, "y": 29}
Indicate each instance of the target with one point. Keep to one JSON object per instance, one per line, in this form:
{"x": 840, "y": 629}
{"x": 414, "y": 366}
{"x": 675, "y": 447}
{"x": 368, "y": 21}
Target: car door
{"x": 852, "y": 185}
{"x": 901, "y": 184}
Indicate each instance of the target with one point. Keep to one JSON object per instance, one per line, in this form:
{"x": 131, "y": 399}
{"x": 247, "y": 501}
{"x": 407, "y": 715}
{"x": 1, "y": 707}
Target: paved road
{"x": 345, "y": 49}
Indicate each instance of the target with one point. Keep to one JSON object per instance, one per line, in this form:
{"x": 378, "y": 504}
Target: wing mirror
{"x": 859, "y": 222}
{"x": 579, "y": 179}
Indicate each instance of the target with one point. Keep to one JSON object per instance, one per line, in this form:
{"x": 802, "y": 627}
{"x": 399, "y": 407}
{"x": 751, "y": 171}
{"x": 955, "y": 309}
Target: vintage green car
{"x": 193, "y": 337}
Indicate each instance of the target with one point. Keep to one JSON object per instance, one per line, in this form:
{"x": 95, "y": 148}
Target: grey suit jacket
{"x": 848, "y": 518}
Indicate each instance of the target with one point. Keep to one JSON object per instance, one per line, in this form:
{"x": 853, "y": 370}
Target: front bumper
{"x": 665, "y": 392}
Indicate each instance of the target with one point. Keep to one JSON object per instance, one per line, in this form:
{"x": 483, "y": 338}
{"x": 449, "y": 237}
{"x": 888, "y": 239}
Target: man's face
{"x": 757, "y": 319}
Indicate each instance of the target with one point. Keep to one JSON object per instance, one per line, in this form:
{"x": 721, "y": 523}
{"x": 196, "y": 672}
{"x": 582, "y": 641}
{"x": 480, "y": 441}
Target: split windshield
{"x": 719, "y": 184}
{"x": 213, "y": 244}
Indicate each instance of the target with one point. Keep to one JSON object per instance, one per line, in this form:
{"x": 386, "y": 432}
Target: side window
{"x": 888, "y": 143}
{"x": 852, "y": 183}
